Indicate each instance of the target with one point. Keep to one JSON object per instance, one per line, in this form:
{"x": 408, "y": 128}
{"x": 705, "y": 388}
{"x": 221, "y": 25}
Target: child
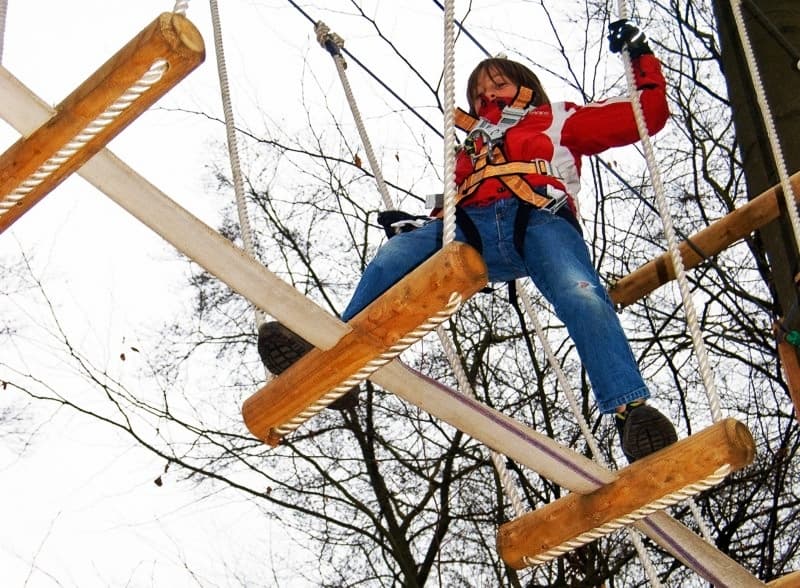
{"x": 518, "y": 178}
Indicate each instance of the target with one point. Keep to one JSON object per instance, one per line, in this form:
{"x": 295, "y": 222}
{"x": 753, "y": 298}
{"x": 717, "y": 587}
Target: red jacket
{"x": 561, "y": 133}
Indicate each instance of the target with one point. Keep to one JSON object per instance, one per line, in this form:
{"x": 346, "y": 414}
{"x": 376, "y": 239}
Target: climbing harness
{"x": 484, "y": 145}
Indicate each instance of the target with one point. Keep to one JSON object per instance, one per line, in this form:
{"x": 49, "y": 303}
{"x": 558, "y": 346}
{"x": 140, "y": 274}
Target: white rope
{"x": 230, "y": 129}
{"x": 572, "y": 400}
{"x": 448, "y": 76}
{"x": 566, "y": 388}
{"x": 672, "y": 241}
{"x": 769, "y": 121}
{"x": 449, "y": 229}
{"x": 79, "y": 141}
{"x": 333, "y": 43}
{"x": 464, "y": 385}
{"x": 675, "y": 255}
{"x": 705, "y": 531}
{"x": 180, "y": 7}
{"x": 561, "y": 377}
{"x": 3, "y": 13}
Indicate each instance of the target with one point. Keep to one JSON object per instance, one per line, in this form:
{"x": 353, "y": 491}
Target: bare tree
{"x": 386, "y": 494}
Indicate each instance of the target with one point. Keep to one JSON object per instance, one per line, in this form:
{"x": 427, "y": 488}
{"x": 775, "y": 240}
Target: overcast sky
{"x": 78, "y": 507}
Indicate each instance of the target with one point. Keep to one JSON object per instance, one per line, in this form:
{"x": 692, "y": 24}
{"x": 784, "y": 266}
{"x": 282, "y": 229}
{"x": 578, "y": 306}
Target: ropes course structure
{"x": 57, "y": 142}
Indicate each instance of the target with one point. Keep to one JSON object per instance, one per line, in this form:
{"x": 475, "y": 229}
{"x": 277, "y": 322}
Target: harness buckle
{"x": 558, "y": 198}
{"x": 491, "y": 133}
{"x": 405, "y": 226}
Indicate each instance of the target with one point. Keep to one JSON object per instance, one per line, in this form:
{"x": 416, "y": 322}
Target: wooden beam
{"x": 551, "y": 530}
{"x": 710, "y": 241}
{"x": 791, "y": 580}
{"x": 419, "y": 296}
{"x": 169, "y": 37}
{"x": 25, "y": 111}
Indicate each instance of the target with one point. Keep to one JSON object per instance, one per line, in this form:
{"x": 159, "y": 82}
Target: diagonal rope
{"x": 464, "y": 386}
{"x": 669, "y": 233}
{"x": 333, "y": 43}
{"x": 677, "y": 261}
{"x": 633, "y": 535}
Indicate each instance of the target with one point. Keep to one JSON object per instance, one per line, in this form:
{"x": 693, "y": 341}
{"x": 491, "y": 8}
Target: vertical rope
{"x": 448, "y": 75}
{"x": 230, "y": 129}
{"x": 561, "y": 377}
{"x": 769, "y": 121}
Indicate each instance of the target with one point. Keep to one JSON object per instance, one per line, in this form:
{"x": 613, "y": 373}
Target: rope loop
{"x": 329, "y": 41}
{"x": 181, "y": 6}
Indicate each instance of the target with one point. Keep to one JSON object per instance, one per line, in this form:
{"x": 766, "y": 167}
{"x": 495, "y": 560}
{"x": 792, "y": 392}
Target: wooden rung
{"x": 547, "y": 530}
{"x": 171, "y": 37}
{"x": 708, "y": 242}
{"x": 457, "y": 268}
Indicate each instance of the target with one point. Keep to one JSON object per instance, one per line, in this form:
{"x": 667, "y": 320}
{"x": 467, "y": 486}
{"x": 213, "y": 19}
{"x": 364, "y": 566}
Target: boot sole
{"x": 279, "y": 348}
{"x": 646, "y": 431}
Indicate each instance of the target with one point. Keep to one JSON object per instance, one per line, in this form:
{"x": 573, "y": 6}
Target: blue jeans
{"x": 557, "y": 260}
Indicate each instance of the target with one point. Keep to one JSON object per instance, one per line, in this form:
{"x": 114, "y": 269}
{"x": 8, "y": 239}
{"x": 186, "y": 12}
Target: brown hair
{"x": 514, "y": 71}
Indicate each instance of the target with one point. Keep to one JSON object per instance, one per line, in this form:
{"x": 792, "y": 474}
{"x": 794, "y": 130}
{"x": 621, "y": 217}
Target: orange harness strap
{"x": 466, "y": 122}
{"x": 491, "y": 162}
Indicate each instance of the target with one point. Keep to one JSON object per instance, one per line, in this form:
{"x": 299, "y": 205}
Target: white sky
{"x": 79, "y": 507}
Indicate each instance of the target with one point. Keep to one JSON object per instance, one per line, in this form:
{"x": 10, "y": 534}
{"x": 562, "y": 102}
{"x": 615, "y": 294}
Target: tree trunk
{"x": 777, "y": 63}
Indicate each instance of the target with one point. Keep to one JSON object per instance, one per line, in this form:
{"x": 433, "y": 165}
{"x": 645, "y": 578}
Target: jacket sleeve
{"x": 598, "y": 126}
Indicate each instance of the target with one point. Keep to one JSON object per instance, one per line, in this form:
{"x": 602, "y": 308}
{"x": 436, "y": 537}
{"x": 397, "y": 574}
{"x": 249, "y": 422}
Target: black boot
{"x": 643, "y": 430}
{"x": 279, "y": 348}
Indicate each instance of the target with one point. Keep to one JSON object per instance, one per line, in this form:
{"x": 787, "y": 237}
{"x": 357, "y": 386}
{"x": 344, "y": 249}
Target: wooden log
{"x": 170, "y": 37}
{"x": 791, "y": 580}
{"x": 420, "y": 295}
{"x": 644, "y": 482}
{"x": 710, "y": 241}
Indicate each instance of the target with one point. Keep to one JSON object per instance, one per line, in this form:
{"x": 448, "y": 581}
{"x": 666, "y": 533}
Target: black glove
{"x": 623, "y": 33}
{"x": 395, "y": 222}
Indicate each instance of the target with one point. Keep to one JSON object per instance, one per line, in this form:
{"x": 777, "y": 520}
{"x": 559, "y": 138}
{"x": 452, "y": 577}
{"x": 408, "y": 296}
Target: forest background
{"x": 124, "y": 365}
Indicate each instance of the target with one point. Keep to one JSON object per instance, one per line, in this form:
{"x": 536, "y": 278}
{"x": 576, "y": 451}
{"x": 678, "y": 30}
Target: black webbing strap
{"x": 521, "y": 226}
{"x": 469, "y": 229}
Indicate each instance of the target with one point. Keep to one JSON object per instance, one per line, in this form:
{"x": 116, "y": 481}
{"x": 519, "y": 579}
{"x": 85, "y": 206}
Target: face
{"x": 493, "y": 85}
